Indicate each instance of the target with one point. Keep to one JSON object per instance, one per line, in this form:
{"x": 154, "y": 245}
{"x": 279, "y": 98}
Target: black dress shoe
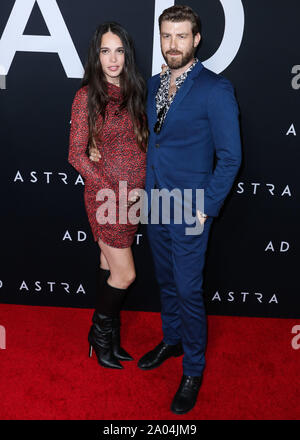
{"x": 186, "y": 396}
{"x": 159, "y": 354}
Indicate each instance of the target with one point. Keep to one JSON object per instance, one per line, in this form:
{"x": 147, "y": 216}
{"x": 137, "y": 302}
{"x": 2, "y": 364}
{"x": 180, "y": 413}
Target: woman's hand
{"x": 133, "y": 199}
{"x": 94, "y": 154}
{"x": 201, "y": 219}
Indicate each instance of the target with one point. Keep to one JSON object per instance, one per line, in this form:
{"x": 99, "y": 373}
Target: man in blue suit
{"x": 193, "y": 120}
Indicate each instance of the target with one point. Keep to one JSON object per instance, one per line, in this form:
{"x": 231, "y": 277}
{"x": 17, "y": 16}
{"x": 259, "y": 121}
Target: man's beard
{"x": 179, "y": 62}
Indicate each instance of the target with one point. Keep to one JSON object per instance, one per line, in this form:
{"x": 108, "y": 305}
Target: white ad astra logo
{"x": 50, "y": 287}
{"x": 59, "y": 41}
{"x": 81, "y": 236}
{"x": 242, "y": 297}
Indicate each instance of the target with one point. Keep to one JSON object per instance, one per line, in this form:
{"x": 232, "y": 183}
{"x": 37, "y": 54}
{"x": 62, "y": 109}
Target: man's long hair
{"x": 133, "y": 87}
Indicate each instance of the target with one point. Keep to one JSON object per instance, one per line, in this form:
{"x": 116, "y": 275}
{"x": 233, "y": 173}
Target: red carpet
{"x": 252, "y": 370}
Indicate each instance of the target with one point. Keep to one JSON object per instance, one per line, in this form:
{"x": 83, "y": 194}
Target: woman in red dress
{"x": 108, "y": 113}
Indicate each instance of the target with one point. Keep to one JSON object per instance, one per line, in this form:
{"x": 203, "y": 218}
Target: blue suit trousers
{"x": 179, "y": 262}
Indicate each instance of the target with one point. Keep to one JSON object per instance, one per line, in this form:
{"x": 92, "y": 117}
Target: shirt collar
{"x": 167, "y": 74}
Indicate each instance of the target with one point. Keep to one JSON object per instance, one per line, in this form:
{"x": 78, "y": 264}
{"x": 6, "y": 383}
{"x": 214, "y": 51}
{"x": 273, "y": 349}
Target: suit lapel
{"x": 183, "y": 91}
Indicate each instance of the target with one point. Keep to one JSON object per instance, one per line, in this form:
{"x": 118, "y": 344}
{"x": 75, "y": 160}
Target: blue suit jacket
{"x": 202, "y": 122}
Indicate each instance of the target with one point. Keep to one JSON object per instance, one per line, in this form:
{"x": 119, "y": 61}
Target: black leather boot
{"x": 108, "y": 309}
{"x": 110, "y": 303}
{"x": 100, "y": 338}
{"x": 100, "y": 334}
{"x": 118, "y": 351}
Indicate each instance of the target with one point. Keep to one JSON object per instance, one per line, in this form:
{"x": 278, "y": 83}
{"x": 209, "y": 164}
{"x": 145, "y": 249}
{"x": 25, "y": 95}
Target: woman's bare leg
{"x": 103, "y": 261}
{"x": 120, "y": 263}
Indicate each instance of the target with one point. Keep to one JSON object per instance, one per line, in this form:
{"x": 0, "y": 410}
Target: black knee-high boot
{"x": 100, "y": 339}
{"x": 104, "y": 334}
{"x": 118, "y": 351}
{"x": 100, "y": 334}
{"x": 110, "y": 303}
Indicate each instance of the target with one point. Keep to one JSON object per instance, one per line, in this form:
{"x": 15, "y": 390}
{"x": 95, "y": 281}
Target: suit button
{"x": 152, "y": 167}
{"x": 157, "y": 145}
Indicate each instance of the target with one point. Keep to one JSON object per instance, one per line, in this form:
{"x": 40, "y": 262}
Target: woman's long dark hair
{"x": 132, "y": 85}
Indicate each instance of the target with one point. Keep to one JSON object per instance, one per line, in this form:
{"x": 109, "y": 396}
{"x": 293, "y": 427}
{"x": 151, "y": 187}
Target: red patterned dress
{"x": 121, "y": 160}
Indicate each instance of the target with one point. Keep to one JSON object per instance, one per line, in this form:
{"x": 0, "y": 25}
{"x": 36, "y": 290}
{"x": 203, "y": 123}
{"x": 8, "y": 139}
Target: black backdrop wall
{"x": 48, "y": 253}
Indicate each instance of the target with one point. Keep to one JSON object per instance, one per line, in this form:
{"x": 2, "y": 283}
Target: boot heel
{"x": 90, "y": 351}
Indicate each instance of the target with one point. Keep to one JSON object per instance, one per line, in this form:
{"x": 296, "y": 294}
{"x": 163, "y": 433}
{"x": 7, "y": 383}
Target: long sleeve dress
{"x": 121, "y": 160}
